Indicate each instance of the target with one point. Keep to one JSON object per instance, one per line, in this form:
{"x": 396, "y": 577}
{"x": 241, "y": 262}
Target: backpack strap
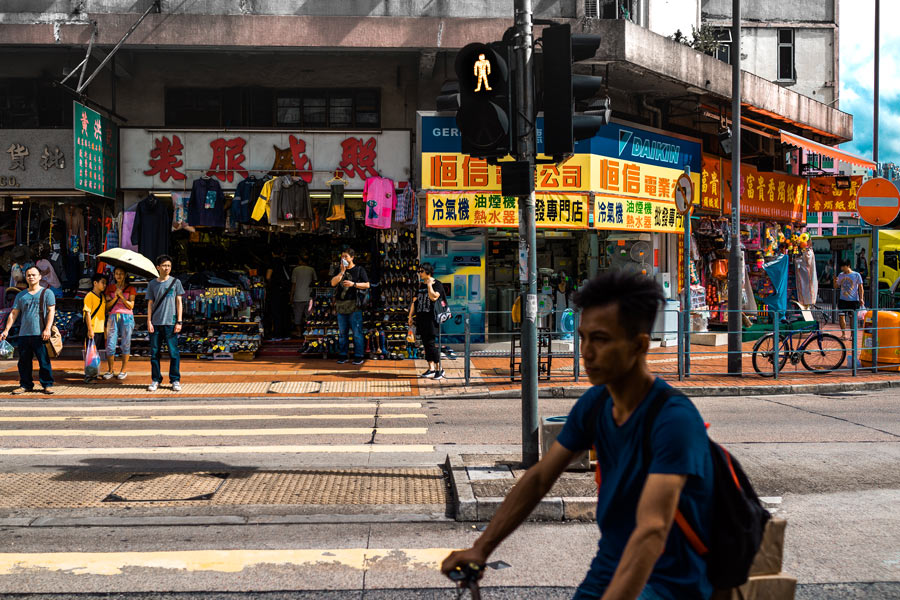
{"x": 649, "y": 420}
{"x": 41, "y": 308}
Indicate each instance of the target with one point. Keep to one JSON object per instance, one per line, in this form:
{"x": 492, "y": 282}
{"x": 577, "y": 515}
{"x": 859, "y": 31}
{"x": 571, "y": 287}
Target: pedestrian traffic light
{"x": 560, "y": 89}
{"x": 485, "y": 98}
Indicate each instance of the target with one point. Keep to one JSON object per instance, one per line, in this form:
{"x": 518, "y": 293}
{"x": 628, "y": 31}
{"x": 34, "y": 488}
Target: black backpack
{"x": 738, "y": 518}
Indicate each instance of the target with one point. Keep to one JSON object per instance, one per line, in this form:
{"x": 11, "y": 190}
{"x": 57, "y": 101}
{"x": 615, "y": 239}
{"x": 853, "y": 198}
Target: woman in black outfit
{"x": 421, "y": 314}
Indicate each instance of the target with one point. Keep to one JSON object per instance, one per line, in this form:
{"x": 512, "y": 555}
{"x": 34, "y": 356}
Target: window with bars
{"x": 786, "y": 70}
{"x": 33, "y": 103}
{"x": 267, "y": 107}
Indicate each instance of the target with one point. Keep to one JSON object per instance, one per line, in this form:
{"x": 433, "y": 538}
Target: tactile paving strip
{"x": 343, "y": 387}
{"x": 388, "y": 386}
{"x": 314, "y": 486}
{"x": 295, "y": 387}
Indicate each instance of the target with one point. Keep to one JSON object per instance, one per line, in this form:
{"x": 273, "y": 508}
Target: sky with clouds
{"x": 857, "y": 76}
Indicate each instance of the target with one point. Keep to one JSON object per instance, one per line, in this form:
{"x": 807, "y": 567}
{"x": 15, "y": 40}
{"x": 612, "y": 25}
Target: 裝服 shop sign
{"x": 557, "y": 210}
{"x": 621, "y": 161}
{"x": 173, "y": 159}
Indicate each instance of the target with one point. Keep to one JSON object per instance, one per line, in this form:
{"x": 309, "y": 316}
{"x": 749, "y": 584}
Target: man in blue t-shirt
{"x": 640, "y": 554}
{"x": 34, "y": 331}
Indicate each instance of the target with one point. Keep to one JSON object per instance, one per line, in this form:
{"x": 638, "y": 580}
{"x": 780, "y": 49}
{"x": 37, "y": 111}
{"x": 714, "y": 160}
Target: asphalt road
{"x": 826, "y": 463}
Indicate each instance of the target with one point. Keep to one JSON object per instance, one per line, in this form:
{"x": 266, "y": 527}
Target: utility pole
{"x": 735, "y": 262}
{"x": 523, "y": 44}
{"x": 875, "y": 241}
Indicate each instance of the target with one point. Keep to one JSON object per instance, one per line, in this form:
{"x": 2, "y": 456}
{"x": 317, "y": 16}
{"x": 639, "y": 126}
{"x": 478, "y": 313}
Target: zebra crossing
{"x": 350, "y": 430}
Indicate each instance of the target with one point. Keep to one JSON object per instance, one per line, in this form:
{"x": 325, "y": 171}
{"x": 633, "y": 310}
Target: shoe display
{"x": 153, "y": 387}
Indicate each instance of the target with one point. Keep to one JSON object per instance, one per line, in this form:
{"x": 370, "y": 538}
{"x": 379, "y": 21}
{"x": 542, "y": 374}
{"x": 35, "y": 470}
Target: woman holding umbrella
{"x": 120, "y": 322}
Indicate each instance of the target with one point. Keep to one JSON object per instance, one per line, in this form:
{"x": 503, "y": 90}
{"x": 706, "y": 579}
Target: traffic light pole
{"x": 526, "y": 151}
{"x": 735, "y": 264}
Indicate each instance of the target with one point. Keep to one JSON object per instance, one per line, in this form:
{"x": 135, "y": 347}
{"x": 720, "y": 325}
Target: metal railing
{"x": 796, "y": 343}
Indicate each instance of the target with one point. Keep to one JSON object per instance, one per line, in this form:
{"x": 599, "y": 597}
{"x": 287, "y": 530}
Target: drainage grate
{"x": 171, "y": 487}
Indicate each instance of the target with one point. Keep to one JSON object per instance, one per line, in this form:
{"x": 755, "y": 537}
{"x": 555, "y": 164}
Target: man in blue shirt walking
{"x": 640, "y": 554}
{"x": 31, "y": 333}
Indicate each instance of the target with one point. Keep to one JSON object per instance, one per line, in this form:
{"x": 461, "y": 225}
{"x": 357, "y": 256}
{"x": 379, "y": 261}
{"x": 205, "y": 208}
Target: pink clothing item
{"x": 48, "y": 275}
{"x": 380, "y": 198}
{"x": 127, "y": 227}
{"x": 119, "y": 307}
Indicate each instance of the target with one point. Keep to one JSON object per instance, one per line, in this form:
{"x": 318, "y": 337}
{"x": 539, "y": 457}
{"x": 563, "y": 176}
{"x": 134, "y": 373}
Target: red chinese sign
{"x": 766, "y": 195}
{"x": 165, "y": 159}
{"x": 358, "y": 157}
{"x": 825, "y": 196}
{"x": 228, "y": 159}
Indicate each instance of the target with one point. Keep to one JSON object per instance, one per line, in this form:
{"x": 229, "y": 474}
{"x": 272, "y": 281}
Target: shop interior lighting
{"x": 328, "y": 195}
{"x": 842, "y": 182}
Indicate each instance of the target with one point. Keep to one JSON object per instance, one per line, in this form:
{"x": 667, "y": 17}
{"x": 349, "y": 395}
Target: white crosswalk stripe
{"x": 352, "y": 426}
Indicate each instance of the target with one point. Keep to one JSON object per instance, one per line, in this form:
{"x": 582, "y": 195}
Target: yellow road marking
{"x": 300, "y": 449}
{"x": 45, "y": 433}
{"x": 119, "y": 407}
{"x": 140, "y": 418}
{"x": 225, "y": 561}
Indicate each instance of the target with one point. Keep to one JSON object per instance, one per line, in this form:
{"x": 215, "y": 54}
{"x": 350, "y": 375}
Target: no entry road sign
{"x": 878, "y": 202}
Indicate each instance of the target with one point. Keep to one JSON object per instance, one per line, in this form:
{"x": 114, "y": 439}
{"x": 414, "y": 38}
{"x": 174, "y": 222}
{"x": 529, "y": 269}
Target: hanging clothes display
{"x": 292, "y": 199}
{"x": 407, "y": 212}
{"x": 262, "y": 208}
{"x": 336, "y": 207}
{"x": 180, "y": 205}
{"x": 380, "y": 199}
{"x": 152, "y": 226}
{"x": 240, "y": 204}
{"x": 206, "y": 207}
{"x": 807, "y": 279}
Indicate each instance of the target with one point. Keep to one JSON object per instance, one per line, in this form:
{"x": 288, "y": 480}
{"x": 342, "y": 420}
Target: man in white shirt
{"x": 301, "y": 279}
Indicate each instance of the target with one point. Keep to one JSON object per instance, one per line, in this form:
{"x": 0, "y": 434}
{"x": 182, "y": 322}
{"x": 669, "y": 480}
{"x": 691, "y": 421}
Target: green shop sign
{"x": 96, "y": 149}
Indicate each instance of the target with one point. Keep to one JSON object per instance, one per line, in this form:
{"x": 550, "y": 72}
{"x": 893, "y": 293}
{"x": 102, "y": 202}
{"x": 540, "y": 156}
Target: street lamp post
{"x": 735, "y": 264}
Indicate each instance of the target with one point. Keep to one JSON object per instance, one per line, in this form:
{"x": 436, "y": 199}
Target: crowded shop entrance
{"x": 256, "y": 247}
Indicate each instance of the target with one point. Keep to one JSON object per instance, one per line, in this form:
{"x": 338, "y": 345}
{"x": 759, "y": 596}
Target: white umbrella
{"x": 131, "y": 261}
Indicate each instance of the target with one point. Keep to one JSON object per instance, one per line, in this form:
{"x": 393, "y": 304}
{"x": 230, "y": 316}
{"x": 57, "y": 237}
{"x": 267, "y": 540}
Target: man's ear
{"x": 643, "y": 343}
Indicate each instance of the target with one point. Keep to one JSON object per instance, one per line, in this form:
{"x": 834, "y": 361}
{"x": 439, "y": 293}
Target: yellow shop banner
{"x": 625, "y": 214}
{"x": 556, "y": 210}
{"x": 446, "y": 171}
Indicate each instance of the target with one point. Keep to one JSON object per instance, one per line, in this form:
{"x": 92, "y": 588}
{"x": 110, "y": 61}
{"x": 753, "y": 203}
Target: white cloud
{"x": 857, "y": 65}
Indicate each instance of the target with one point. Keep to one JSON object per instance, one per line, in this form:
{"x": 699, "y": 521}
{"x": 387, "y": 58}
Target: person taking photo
{"x": 421, "y": 315}
{"x": 350, "y": 279}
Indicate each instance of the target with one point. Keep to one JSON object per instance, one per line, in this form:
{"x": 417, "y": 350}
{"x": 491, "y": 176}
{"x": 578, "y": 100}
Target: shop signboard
{"x": 557, "y": 210}
{"x": 625, "y": 214}
{"x": 173, "y": 159}
{"x": 826, "y": 196}
{"x": 35, "y": 159}
{"x": 622, "y": 160}
{"x": 765, "y": 195}
{"x": 95, "y": 151}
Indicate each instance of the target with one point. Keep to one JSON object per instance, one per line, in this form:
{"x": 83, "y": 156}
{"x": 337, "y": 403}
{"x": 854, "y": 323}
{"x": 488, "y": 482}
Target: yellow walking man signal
{"x": 482, "y": 70}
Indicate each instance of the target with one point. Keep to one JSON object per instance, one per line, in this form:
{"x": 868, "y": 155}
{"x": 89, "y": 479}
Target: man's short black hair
{"x": 33, "y": 267}
{"x": 163, "y": 258}
{"x": 98, "y": 277}
{"x": 845, "y": 263}
{"x": 637, "y": 296}
{"x": 428, "y": 268}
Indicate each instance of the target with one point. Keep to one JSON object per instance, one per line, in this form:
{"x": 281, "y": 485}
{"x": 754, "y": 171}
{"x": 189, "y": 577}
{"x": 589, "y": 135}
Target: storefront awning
{"x": 817, "y": 148}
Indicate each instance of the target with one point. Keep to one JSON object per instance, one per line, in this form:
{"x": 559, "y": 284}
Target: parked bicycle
{"x": 819, "y": 352}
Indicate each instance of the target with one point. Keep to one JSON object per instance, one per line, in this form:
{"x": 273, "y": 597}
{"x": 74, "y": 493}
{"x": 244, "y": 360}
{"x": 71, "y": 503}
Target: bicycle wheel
{"x": 823, "y": 353}
{"x": 764, "y": 355}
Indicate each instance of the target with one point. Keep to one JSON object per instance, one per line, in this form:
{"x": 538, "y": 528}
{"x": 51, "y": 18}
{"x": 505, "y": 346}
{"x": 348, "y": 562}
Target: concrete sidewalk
{"x": 489, "y": 376}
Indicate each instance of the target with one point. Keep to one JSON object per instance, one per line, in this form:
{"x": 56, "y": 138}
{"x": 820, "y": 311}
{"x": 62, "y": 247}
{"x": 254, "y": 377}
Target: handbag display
{"x": 55, "y": 344}
{"x": 720, "y": 268}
